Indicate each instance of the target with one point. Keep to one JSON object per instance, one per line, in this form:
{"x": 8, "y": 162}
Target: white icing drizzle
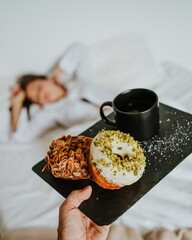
{"x": 110, "y": 172}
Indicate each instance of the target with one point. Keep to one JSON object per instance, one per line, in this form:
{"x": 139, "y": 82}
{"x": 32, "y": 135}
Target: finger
{"x": 76, "y": 198}
{"x": 15, "y": 89}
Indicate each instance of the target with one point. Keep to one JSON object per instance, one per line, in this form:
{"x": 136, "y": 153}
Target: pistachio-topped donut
{"x": 116, "y": 159}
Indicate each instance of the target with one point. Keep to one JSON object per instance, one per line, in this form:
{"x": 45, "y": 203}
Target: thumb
{"x": 75, "y": 199}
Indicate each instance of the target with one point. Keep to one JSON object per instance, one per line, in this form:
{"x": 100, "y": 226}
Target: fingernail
{"x": 85, "y": 188}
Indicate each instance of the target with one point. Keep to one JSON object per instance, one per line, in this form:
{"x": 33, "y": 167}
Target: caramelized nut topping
{"x": 67, "y": 157}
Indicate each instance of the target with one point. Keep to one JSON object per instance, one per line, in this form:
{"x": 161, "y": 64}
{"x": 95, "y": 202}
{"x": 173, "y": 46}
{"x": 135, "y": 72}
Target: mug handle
{"x": 104, "y": 118}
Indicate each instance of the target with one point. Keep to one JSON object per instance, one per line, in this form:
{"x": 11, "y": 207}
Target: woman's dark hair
{"x": 23, "y": 81}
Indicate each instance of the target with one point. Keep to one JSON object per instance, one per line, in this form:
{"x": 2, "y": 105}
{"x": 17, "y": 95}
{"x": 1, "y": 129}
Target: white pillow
{"x": 124, "y": 62}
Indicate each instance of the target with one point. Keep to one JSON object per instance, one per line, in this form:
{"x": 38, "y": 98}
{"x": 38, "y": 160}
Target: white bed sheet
{"x": 27, "y": 201}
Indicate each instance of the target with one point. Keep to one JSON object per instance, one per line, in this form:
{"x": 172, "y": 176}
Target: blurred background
{"x": 34, "y": 33}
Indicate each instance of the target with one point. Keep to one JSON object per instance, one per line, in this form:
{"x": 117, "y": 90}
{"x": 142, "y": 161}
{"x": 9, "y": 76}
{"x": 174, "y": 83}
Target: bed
{"x": 122, "y": 62}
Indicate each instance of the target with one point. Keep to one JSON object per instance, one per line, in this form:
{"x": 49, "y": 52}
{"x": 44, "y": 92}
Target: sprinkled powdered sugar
{"x": 173, "y": 141}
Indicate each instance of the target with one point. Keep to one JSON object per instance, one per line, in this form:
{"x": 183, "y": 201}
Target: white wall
{"x": 33, "y": 34}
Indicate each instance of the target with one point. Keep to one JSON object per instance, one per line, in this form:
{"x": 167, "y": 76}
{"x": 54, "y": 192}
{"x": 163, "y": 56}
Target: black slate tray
{"x": 164, "y": 152}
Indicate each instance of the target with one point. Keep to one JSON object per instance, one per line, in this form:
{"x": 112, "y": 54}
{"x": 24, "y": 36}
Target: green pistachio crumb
{"x": 129, "y": 162}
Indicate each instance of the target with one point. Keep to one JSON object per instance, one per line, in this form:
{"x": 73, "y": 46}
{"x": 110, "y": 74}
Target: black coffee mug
{"x": 136, "y": 112}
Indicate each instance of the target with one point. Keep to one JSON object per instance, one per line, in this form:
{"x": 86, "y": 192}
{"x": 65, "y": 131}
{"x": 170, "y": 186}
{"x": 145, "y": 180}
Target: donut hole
{"x": 118, "y": 155}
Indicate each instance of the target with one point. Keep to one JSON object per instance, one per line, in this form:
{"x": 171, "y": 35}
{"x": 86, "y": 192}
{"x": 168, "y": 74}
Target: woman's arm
{"x": 16, "y": 106}
{"x": 29, "y": 130}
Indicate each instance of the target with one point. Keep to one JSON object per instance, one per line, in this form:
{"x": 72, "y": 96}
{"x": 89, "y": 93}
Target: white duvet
{"x": 124, "y": 62}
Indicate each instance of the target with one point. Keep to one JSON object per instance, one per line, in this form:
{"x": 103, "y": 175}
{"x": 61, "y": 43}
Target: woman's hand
{"x": 56, "y": 74}
{"x": 73, "y": 224}
{"x": 15, "y": 90}
{"x": 17, "y": 98}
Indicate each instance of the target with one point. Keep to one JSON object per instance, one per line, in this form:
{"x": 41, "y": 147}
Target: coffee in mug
{"x": 136, "y": 112}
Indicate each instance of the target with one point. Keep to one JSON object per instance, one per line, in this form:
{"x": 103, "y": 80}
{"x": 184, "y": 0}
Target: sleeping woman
{"x": 66, "y": 97}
